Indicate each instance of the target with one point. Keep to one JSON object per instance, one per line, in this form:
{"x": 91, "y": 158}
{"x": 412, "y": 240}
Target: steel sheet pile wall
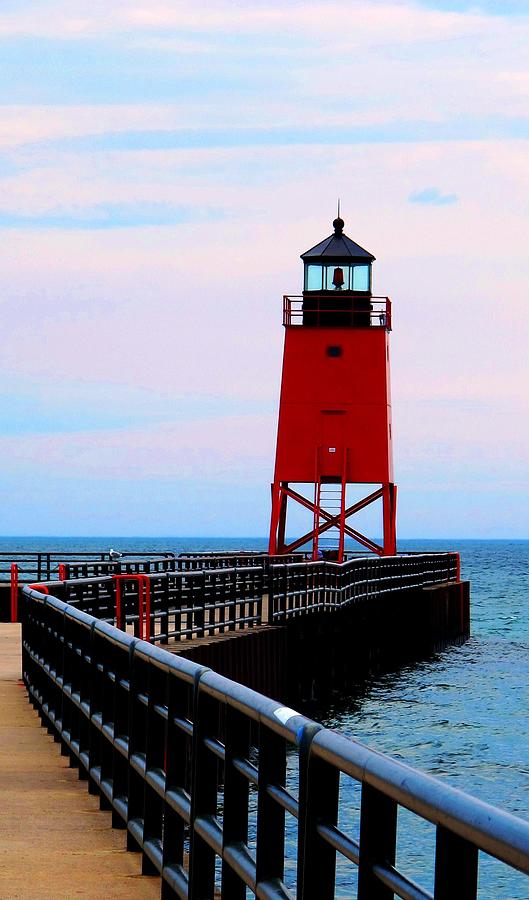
{"x": 349, "y": 621}
{"x": 195, "y": 768}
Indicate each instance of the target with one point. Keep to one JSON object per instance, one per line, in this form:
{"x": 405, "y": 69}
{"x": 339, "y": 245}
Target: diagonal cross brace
{"x": 332, "y": 521}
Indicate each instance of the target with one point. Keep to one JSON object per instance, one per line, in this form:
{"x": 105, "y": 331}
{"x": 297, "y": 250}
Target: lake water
{"x": 462, "y": 715}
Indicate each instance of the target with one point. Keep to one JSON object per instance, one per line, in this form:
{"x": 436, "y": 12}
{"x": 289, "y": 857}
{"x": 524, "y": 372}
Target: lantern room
{"x": 337, "y": 264}
{"x": 337, "y": 282}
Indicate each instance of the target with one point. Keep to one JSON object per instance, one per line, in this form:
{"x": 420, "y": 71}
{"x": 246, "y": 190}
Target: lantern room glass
{"x": 361, "y": 278}
{"x": 320, "y": 278}
{"x": 313, "y": 278}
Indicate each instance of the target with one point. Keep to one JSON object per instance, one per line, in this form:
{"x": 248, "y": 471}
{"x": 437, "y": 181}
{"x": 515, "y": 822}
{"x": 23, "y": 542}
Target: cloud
{"x": 216, "y": 447}
{"x": 488, "y": 7}
{"x": 79, "y": 19}
{"x": 432, "y": 196}
{"x": 224, "y": 134}
{"x": 105, "y": 216}
{"x": 167, "y": 75}
{"x": 31, "y": 123}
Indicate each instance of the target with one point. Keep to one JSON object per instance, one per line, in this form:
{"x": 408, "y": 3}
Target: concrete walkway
{"x": 54, "y": 841}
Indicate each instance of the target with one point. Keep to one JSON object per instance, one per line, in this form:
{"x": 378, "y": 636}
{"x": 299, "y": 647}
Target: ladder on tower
{"x": 329, "y": 503}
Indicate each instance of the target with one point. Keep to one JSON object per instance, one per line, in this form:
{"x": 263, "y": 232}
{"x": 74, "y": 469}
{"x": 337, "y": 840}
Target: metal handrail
{"x": 335, "y": 585}
{"x": 44, "y": 564}
{"x": 181, "y": 604}
{"x": 148, "y": 730}
{"x": 313, "y": 309}
{"x": 204, "y": 600}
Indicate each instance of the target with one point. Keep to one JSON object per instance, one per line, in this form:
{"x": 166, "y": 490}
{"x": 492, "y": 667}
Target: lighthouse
{"x": 334, "y": 434}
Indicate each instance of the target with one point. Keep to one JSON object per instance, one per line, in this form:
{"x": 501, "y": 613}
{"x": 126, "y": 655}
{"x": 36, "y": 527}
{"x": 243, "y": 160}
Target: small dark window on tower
{"x": 333, "y": 350}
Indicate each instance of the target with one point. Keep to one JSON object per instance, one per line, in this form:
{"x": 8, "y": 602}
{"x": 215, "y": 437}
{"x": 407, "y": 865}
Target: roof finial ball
{"x": 338, "y": 225}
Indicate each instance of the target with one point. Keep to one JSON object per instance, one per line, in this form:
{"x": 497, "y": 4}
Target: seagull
{"x": 114, "y": 554}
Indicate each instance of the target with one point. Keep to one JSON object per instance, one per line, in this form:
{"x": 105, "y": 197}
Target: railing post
{"x": 177, "y": 766}
{"x": 203, "y": 795}
{"x": 146, "y": 582}
{"x": 93, "y": 689}
{"x": 117, "y": 597}
{"x": 141, "y": 632}
{"x": 14, "y": 592}
{"x": 378, "y": 838}
{"x": 270, "y": 606}
{"x": 270, "y": 853}
{"x": 199, "y": 587}
{"x": 155, "y": 761}
{"x": 136, "y": 746}
{"x": 318, "y": 800}
{"x": 164, "y": 605}
{"x": 456, "y": 867}
{"x": 236, "y": 791}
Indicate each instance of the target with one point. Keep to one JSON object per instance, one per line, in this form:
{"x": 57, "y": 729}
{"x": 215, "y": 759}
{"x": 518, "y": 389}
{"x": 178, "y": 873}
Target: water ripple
{"x": 462, "y": 715}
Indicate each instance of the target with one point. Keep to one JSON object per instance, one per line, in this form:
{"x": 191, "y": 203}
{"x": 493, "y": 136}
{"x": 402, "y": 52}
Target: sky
{"x": 162, "y": 167}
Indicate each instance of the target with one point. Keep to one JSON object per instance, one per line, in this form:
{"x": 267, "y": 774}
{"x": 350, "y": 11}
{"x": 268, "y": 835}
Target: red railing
{"x": 144, "y": 604}
{"x": 14, "y": 592}
{"x": 322, "y": 310}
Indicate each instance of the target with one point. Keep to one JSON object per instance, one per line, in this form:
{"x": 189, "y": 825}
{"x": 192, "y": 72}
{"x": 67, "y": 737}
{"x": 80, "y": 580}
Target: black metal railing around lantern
{"x": 225, "y": 791}
{"x": 334, "y": 309}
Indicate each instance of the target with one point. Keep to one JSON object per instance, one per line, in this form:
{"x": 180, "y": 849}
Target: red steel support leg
{"x": 341, "y": 540}
{"x": 395, "y": 516}
{"x": 14, "y": 592}
{"x": 389, "y": 513}
{"x": 316, "y": 529}
{"x": 282, "y": 523}
{"x": 274, "y": 521}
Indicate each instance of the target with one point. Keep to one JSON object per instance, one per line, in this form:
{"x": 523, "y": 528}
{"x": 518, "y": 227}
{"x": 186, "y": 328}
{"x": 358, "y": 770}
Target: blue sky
{"x": 162, "y": 166}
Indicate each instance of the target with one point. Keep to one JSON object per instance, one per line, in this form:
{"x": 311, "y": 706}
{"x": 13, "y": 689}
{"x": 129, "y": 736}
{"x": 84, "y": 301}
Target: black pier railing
{"x": 200, "y": 602}
{"x": 297, "y": 588}
{"x": 224, "y": 790}
{"x": 171, "y": 606}
{"x": 45, "y": 565}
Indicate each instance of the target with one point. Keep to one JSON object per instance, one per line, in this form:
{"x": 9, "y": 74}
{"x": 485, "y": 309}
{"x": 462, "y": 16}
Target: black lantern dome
{"x": 338, "y": 264}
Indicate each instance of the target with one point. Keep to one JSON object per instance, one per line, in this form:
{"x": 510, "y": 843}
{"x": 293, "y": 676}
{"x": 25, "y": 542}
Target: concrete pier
{"x": 56, "y": 843}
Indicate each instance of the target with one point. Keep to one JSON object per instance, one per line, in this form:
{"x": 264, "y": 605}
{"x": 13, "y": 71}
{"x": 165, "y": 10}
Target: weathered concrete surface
{"x": 55, "y": 842}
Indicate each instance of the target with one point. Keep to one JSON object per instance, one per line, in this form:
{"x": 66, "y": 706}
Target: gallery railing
{"x": 224, "y": 790}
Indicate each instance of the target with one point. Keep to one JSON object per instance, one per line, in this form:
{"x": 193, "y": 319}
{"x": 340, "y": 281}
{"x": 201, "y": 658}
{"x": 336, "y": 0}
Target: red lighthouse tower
{"x": 334, "y": 426}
